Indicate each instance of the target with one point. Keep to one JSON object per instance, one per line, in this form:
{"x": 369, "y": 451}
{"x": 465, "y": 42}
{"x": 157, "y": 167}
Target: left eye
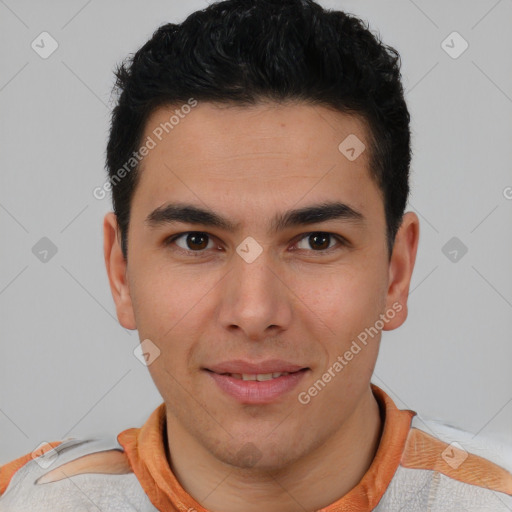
{"x": 193, "y": 239}
{"x": 320, "y": 240}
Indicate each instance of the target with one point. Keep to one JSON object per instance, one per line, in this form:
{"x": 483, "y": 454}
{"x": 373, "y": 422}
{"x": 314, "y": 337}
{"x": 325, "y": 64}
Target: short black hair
{"x": 244, "y": 52}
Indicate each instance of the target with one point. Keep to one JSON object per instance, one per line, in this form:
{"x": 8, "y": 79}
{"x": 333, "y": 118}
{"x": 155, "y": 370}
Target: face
{"x": 260, "y": 290}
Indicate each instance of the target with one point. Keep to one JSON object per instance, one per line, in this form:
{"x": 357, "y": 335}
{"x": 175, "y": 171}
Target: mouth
{"x": 257, "y": 388}
{"x": 260, "y": 377}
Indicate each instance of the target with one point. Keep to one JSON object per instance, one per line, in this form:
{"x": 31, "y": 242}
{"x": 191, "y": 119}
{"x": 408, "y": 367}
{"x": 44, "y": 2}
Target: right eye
{"x": 194, "y": 242}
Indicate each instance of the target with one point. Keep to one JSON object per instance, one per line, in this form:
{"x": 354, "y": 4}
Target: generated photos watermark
{"x": 342, "y": 361}
{"x": 149, "y": 144}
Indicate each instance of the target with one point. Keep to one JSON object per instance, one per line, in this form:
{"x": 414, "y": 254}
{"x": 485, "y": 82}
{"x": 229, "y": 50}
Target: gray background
{"x": 67, "y": 367}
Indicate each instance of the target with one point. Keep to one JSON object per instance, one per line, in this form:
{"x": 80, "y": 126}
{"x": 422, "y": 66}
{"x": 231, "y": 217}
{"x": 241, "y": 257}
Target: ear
{"x": 116, "y": 269}
{"x": 400, "y": 269}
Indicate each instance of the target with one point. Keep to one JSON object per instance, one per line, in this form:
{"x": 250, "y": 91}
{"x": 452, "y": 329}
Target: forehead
{"x": 247, "y": 156}
{"x": 215, "y": 131}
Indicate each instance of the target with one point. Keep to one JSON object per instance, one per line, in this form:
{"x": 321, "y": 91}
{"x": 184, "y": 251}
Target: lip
{"x": 256, "y": 392}
{"x": 267, "y": 366}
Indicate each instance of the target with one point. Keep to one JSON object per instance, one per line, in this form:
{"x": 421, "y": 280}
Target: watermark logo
{"x": 454, "y": 455}
{"x": 248, "y": 455}
{"x": 44, "y": 250}
{"x": 454, "y": 249}
{"x": 146, "y": 352}
{"x": 454, "y": 45}
{"x": 44, "y": 45}
{"x": 44, "y": 458}
{"x": 249, "y": 249}
{"x": 351, "y": 147}
{"x": 149, "y": 144}
{"x": 304, "y": 397}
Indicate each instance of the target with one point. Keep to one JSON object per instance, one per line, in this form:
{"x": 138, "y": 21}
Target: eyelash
{"x": 200, "y": 253}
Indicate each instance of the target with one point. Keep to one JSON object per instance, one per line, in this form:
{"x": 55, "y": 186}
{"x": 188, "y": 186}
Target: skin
{"x": 294, "y": 302}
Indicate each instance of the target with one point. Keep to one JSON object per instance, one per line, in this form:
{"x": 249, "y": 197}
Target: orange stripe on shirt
{"x": 369, "y": 491}
{"x": 146, "y": 452}
{"x": 424, "y": 451}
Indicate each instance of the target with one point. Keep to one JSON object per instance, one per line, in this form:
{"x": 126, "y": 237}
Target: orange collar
{"x": 145, "y": 448}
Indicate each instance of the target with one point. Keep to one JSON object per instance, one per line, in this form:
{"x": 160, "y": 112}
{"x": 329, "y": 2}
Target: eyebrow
{"x": 187, "y": 213}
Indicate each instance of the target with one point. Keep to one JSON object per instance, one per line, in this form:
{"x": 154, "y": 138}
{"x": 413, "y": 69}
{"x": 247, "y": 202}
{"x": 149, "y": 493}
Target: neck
{"x": 311, "y": 483}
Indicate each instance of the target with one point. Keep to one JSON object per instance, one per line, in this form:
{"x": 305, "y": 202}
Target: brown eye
{"x": 192, "y": 241}
{"x": 318, "y": 241}
{"x": 196, "y": 241}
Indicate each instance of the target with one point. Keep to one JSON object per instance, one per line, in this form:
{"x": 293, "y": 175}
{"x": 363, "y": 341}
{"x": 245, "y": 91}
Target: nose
{"x": 255, "y": 298}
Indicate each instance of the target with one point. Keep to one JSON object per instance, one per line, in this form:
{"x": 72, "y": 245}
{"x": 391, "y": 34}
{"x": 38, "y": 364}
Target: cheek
{"x": 169, "y": 305}
{"x": 166, "y": 309}
{"x": 341, "y": 308}
{"x": 343, "y": 298}
{"x": 164, "y": 297}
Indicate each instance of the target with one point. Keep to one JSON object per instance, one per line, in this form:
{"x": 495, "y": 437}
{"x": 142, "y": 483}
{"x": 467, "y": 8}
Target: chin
{"x": 258, "y": 455}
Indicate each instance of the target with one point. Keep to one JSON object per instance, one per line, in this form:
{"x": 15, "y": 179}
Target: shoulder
{"x": 76, "y": 474}
{"x": 457, "y": 452}
{"x": 444, "y": 468}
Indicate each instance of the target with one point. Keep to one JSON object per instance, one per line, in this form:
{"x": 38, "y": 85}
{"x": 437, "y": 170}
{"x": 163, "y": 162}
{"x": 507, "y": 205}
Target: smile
{"x": 257, "y": 388}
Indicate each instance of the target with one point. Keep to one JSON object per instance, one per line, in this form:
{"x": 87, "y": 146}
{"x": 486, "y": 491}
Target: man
{"x": 258, "y": 160}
